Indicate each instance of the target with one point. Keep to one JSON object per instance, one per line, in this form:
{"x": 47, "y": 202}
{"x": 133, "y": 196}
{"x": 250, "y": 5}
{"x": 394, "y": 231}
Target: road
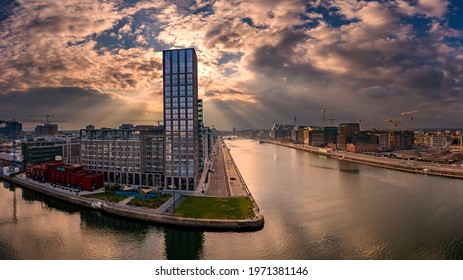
{"x": 217, "y": 184}
{"x": 225, "y": 180}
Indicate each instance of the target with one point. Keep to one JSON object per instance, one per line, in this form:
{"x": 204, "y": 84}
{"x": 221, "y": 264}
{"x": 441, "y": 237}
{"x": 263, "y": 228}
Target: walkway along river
{"x": 149, "y": 215}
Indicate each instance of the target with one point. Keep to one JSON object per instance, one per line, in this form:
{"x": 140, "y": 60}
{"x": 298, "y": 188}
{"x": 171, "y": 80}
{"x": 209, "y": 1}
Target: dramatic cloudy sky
{"x": 260, "y": 61}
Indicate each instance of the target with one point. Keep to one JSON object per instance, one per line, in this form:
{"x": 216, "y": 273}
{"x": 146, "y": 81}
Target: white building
{"x": 439, "y": 141}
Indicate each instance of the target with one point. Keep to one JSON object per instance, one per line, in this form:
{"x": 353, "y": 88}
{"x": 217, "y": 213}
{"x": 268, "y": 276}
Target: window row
{"x": 175, "y": 104}
{"x": 178, "y": 91}
{"x": 182, "y": 79}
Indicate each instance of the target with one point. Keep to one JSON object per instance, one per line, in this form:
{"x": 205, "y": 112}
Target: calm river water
{"x": 314, "y": 207}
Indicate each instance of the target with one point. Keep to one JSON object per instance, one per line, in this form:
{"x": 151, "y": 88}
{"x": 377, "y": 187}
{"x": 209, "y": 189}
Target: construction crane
{"x": 405, "y": 114}
{"x": 392, "y": 122}
{"x": 158, "y": 121}
{"x": 363, "y": 125}
{"x": 324, "y": 112}
{"x": 47, "y": 121}
{"x": 331, "y": 120}
{"x": 46, "y": 115}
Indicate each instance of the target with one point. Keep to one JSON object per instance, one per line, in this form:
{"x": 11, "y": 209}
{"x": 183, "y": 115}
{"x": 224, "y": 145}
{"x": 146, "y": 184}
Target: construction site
{"x": 399, "y": 140}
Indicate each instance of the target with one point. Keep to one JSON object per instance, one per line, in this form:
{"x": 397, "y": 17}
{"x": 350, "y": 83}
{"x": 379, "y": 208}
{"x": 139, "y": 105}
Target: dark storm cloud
{"x": 76, "y": 105}
{"x": 425, "y": 78}
{"x": 223, "y": 35}
{"x": 277, "y": 55}
{"x": 375, "y": 66}
{"x": 260, "y": 61}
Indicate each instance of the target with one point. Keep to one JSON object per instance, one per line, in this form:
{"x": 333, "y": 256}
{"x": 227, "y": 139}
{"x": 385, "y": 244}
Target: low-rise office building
{"x": 40, "y": 150}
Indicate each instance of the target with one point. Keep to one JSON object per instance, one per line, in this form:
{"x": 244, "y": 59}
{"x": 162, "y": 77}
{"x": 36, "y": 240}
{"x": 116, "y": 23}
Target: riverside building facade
{"x": 125, "y": 156}
{"x": 180, "y": 96}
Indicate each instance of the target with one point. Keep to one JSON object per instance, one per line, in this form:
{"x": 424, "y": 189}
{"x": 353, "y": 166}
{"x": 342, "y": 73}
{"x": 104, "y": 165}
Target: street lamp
{"x": 173, "y": 197}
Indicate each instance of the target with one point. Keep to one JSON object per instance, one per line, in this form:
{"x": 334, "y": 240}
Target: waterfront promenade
{"x": 138, "y": 213}
{"x": 219, "y": 182}
{"x": 413, "y": 166}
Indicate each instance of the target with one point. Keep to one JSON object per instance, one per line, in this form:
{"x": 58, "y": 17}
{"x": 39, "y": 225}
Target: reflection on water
{"x": 6, "y": 250}
{"x": 314, "y": 207}
{"x": 336, "y": 209}
{"x": 46, "y": 228}
{"x": 182, "y": 244}
{"x": 98, "y": 220}
{"x": 352, "y": 171}
{"x": 48, "y": 202}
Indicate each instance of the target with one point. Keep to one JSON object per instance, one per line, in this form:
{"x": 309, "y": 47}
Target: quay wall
{"x": 142, "y": 214}
{"x": 376, "y": 161}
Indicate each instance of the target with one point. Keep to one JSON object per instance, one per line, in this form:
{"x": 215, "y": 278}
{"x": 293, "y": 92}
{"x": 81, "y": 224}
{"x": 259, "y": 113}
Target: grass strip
{"x": 108, "y": 196}
{"x": 154, "y": 202}
{"x": 227, "y": 208}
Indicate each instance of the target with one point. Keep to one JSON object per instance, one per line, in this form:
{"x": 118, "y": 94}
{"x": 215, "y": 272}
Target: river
{"x": 314, "y": 208}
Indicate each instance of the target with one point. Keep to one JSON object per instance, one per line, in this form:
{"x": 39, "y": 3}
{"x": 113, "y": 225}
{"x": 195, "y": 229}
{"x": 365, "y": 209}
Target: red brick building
{"x": 71, "y": 175}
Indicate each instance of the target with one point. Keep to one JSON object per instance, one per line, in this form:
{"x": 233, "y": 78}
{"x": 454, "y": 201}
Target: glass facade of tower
{"x": 180, "y": 76}
{"x": 200, "y": 135}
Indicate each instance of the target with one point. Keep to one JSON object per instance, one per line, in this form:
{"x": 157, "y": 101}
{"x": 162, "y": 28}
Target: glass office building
{"x": 180, "y": 76}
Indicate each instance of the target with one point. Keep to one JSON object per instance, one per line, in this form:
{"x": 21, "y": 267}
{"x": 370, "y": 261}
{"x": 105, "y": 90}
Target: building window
{"x": 167, "y": 62}
{"x": 174, "y": 79}
{"x": 182, "y": 79}
{"x": 182, "y": 61}
{"x": 174, "y": 61}
{"x": 189, "y": 58}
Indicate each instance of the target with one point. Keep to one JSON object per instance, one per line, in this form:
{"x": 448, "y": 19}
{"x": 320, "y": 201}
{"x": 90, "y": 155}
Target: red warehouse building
{"x": 72, "y": 175}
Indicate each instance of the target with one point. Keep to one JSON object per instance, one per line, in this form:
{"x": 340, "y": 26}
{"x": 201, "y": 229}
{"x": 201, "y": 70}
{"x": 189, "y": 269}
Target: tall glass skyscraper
{"x": 180, "y": 75}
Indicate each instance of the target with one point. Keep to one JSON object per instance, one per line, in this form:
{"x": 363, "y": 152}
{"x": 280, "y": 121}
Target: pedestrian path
{"x": 168, "y": 206}
{"x": 125, "y": 201}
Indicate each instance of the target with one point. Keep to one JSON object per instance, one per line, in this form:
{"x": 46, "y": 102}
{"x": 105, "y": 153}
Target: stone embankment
{"x": 138, "y": 213}
{"x": 383, "y": 162}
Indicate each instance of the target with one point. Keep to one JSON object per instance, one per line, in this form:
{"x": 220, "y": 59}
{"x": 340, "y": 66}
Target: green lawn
{"x": 150, "y": 202}
{"x": 232, "y": 208}
{"x": 108, "y": 196}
